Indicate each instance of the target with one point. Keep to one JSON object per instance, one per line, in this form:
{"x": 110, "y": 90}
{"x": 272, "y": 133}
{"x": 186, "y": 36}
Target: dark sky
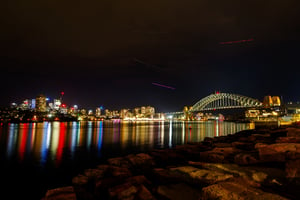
{"x": 109, "y": 52}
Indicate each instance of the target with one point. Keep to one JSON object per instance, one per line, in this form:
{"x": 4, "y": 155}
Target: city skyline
{"x": 109, "y": 54}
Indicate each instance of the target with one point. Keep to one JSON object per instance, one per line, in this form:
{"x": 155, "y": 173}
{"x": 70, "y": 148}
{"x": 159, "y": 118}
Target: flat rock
{"x": 236, "y": 191}
{"x": 251, "y": 174}
{"x": 197, "y": 175}
{"x": 63, "y": 193}
{"x": 124, "y": 191}
{"x": 178, "y": 192}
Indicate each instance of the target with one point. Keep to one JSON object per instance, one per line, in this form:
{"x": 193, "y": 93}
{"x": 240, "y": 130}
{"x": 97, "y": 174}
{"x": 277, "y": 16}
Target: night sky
{"x": 109, "y": 52}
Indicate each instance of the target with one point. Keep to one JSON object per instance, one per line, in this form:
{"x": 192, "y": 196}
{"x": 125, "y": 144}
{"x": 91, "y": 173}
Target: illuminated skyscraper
{"x": 57, "y": 104}
{"x": 41, "y": 105}
{"x": 33, "y": 103}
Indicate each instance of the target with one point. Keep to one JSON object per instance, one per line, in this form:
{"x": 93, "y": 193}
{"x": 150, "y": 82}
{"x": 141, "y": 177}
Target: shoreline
{"x": 252, "y": 164}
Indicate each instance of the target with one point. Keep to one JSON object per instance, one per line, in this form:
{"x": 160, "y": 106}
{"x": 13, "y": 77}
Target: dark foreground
{"x": 252, "y": 164}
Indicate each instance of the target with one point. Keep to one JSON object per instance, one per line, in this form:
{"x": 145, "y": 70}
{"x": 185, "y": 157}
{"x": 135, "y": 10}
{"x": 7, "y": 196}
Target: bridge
{"x": 218, "y": 101}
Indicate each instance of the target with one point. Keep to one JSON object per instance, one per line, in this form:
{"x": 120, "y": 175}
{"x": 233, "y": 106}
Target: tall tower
{"x": 61, "y": 96}
{"x": 41, "y": 105}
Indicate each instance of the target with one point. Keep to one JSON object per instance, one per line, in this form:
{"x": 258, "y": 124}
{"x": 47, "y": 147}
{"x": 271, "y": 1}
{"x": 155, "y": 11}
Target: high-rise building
{"x": 33, "y": 104}
{"x": 57, "y": 104}
{"x": 98, "y": 112}
{"x": 41, "y": 105}
{"x": 25, "y": 105}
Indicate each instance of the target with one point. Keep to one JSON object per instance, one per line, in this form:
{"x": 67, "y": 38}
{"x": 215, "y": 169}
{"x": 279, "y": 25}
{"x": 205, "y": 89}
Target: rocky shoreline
{"x": 251, "y": 164}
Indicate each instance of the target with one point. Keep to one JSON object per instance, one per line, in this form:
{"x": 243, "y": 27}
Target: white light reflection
{"x": 89, "y": 136}
{"x": 170, "y": 134}
{"x": 12, "y": 138}
{"x": 45, "y": 142}
{"x": 183, "y": 133}
{"x": 162, "y": 134}
{"x": 73, "y": 138}
{"x": 78, "y": 133}
{"x": 217, "y": 128}
{"x": 100, "y": 136}
{"x": 55, "y": 139}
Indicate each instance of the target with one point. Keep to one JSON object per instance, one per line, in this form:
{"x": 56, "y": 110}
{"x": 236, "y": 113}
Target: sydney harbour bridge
{"x": 221, "y": 101}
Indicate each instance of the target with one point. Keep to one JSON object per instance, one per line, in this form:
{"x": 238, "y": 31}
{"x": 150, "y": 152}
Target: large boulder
{"x": 246, "y": 146}
{"x": 120, "y": 172}
{"x": 144, "y": 194}
{"x": 293, "y": 132}
{"x": 219, "y": 155}
{"x": 288, "y": 140}
{"x": 292, "y": 169}
{"x": 279, "y": 152}
{"x": 119, "y": 162}
{"x": 246, "y": 158}
{"x": 94, "y": 174}
{"x": 80, "y": 180}
{"x": 140, "y": 161}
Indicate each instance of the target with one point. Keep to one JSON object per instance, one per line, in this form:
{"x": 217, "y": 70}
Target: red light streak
{"x": 165, "y": 86}
{"x": 23, "y": 141}
{"x": 61, "y": 143}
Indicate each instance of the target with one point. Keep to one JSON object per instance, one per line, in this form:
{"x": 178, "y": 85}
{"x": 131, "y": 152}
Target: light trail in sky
{"x": 165, "y": 86}
{"x": 237, "y": 41}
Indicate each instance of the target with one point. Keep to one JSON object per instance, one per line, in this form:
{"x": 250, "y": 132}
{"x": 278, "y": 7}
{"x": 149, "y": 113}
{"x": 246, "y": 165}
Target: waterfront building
{"x": 136, "y": 111}
{"x": 150, "y": 111}
{"x": 143, "y": 111}
{"x": 124, "y": 113}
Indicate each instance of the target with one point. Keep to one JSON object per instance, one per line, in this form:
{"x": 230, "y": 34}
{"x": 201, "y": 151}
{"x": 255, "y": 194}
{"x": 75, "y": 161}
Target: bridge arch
{"x": 225, "y": 101}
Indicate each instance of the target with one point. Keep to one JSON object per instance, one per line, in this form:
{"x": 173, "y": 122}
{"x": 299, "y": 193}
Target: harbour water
{"x": 40, "y": 156}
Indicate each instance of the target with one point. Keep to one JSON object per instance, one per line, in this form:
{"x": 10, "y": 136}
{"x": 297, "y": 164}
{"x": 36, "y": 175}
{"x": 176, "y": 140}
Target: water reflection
{"x": 51, "y": 141}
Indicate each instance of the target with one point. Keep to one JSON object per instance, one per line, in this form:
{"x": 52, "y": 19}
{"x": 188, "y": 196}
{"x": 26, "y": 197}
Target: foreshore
{"x": 251, "y": 164}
